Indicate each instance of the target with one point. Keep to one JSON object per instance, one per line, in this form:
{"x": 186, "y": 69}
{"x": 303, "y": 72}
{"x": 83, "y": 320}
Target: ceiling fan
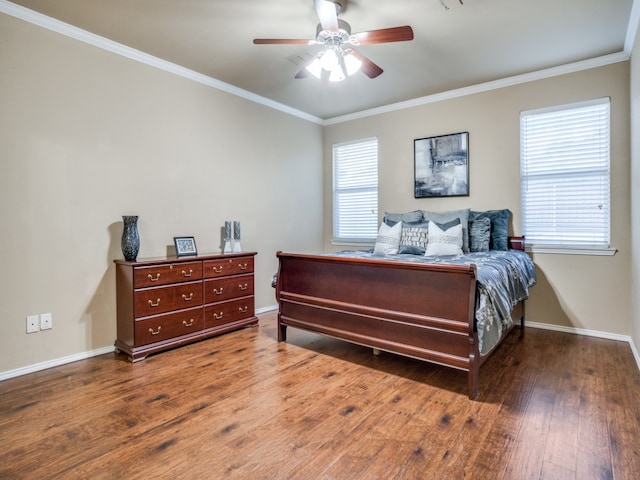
{"x": 338, "y": 59}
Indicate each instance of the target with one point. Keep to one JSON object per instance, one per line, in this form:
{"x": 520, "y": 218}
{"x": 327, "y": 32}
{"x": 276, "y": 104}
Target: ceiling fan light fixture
{"x": 352, "y": 63}
{"x": 329, "y": 59}
{"x": 315, "y": 68}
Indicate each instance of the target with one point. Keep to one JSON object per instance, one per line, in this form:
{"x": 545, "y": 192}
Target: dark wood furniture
{"x": 166, "y": 302}
{"x": 418, "y": 310}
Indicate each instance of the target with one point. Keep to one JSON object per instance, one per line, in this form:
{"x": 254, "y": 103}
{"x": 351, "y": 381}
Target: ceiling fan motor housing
{"x": 334, "y": 38}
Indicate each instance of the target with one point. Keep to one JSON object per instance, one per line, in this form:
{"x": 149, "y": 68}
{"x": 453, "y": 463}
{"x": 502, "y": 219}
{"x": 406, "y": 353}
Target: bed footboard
{"x": 421, "y": 311}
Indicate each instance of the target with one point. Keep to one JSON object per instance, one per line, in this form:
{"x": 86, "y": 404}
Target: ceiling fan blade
{"x": 283, "y": 41}
{"x": 384, "y": 35}
{"x": 369, "y": 68}
{"x": 328, "y": 14}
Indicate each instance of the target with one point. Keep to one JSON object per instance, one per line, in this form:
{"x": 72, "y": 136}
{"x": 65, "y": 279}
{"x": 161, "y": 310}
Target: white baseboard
{"x": 579, "y": 331}
{"x": 589, "y": 333}
{"x": 101, "y": 351}
{"x": 270, "y": 308}
{"x": 36, "y": 367}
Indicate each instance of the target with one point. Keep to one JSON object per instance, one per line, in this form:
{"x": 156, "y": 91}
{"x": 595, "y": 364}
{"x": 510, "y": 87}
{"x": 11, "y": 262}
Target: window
{"x": 355, "y": 191}
{"x": 564, "y": 163}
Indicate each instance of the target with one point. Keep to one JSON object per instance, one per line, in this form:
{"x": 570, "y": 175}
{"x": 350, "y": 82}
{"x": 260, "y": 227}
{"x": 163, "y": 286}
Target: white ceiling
{"x": 458, "y": 43}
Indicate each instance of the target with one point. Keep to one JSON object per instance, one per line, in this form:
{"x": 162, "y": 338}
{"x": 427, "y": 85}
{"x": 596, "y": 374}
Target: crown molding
{"x": 76, "y": 33}
{"x": 485, "y": 87}
{"x": 632, "y": 28}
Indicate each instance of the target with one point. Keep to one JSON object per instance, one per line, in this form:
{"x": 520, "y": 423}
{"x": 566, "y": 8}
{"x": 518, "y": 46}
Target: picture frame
{"x": 441, "y": 166}
{"x": 185, "y": 246}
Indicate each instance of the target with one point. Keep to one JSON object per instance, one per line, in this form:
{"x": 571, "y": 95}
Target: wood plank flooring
{"x": 241, "y": 406}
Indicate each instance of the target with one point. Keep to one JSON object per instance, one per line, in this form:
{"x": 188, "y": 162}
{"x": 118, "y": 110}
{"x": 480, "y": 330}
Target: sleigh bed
{"x": 452, "y": 310}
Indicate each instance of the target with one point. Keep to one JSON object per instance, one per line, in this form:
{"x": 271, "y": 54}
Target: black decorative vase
{"x": 130, "y": 238}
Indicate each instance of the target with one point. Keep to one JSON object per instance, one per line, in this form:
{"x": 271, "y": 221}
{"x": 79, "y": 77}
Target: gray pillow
{"x": 499, "y": 227}
{"x": 447, "y": 216}
{"x": 409, "y": 217}
{"x": 479, "y": 234}
{"x": 414, "y": 238}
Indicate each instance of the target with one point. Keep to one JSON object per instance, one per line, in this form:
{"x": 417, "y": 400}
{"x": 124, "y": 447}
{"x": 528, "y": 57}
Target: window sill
{"x": 343, "y": 243}
{"x": 573, "y": 251}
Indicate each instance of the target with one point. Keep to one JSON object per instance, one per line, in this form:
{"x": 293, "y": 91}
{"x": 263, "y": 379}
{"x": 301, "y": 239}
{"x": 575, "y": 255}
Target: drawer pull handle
{"x": 154, "y": 304}
{"x": 185, "y": 274}
{"x": 243, "y": 287}
{"x": 155, "y": 333}
{"x": 218, "y": 317}
{"x": 243, "y": 309}
{"x": 184, "y": 322}
{"x": 242, "y": 266}
{"x": 152, "y": 278}
{"x": 218, "y": 292}
{"x": 217, "y": 269}
{"x": 189, "y": 298}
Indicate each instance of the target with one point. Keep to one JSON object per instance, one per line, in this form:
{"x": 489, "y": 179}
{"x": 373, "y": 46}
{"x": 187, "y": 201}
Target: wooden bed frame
{"x": 418, "y": 310}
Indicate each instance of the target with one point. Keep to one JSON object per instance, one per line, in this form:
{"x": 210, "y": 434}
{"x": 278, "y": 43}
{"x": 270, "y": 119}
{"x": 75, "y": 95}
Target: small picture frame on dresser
{"x": 185, "y": 246}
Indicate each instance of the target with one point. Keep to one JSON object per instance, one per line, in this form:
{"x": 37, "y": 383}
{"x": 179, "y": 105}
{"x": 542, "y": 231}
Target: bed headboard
{"x": 516, "y": 243}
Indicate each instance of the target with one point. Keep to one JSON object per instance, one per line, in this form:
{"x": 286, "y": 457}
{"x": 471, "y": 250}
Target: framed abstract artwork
{"x": 441, "y": 166}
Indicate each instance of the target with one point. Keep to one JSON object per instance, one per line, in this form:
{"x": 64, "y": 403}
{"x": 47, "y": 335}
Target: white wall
{"x": 574, "y": 291}
{"x": 635, "y": 193}
{"x": 87, "y": 136}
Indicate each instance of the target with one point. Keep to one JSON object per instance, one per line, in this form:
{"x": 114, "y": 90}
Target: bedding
{"x": 499, "y": 237}
{"x": 479, "y": 235}
{"x": 503, "y": 279}
{"x": 414, "y": 238}
{"x": 444, "y": 239}
{"x": 388, "y": 240}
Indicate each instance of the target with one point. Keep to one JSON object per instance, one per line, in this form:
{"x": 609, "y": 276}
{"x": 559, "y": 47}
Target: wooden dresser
{"x": 166, "y": 302}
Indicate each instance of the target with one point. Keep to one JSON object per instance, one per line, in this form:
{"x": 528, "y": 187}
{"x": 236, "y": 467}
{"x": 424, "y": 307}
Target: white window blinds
{"x": 355, "y": 191}
{"x": 564, "y": 163}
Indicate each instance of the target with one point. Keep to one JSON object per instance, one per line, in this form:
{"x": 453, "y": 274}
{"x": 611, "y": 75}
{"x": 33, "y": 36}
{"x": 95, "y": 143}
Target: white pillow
{"x": 388, "y": 240}
{"x": 444, "y": 242}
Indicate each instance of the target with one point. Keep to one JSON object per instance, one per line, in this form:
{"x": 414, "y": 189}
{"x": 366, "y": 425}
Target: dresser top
{"x": 185, "y": 259}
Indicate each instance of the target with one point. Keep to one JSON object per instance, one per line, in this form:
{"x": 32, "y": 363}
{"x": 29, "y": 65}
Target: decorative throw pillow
{"x": 414, "y": 238}
{"x": 409, "y": 217}
{"x": 444, "y": 241}
{"x": 479, "y": 234}
{"x": 499, "y": 227}
{"x": 388, "y": 240}
{"x": 447, "y": 216}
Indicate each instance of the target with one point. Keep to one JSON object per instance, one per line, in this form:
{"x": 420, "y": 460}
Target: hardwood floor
{"x": 550, "y": 406}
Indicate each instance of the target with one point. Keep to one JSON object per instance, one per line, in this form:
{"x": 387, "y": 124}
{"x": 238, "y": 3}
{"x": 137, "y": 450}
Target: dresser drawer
{"x": 164, "y": 274}
{"x": 228, "y": 312}
{"x": 226, "y": 288}
{"x": 228, "y": 266}
{"x": 153, "y": 301}
{"x": 164, "y": 327}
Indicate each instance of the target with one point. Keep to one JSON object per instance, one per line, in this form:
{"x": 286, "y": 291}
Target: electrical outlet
{"x": 46, "y": 321}
{"x": 32, "y": 323}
